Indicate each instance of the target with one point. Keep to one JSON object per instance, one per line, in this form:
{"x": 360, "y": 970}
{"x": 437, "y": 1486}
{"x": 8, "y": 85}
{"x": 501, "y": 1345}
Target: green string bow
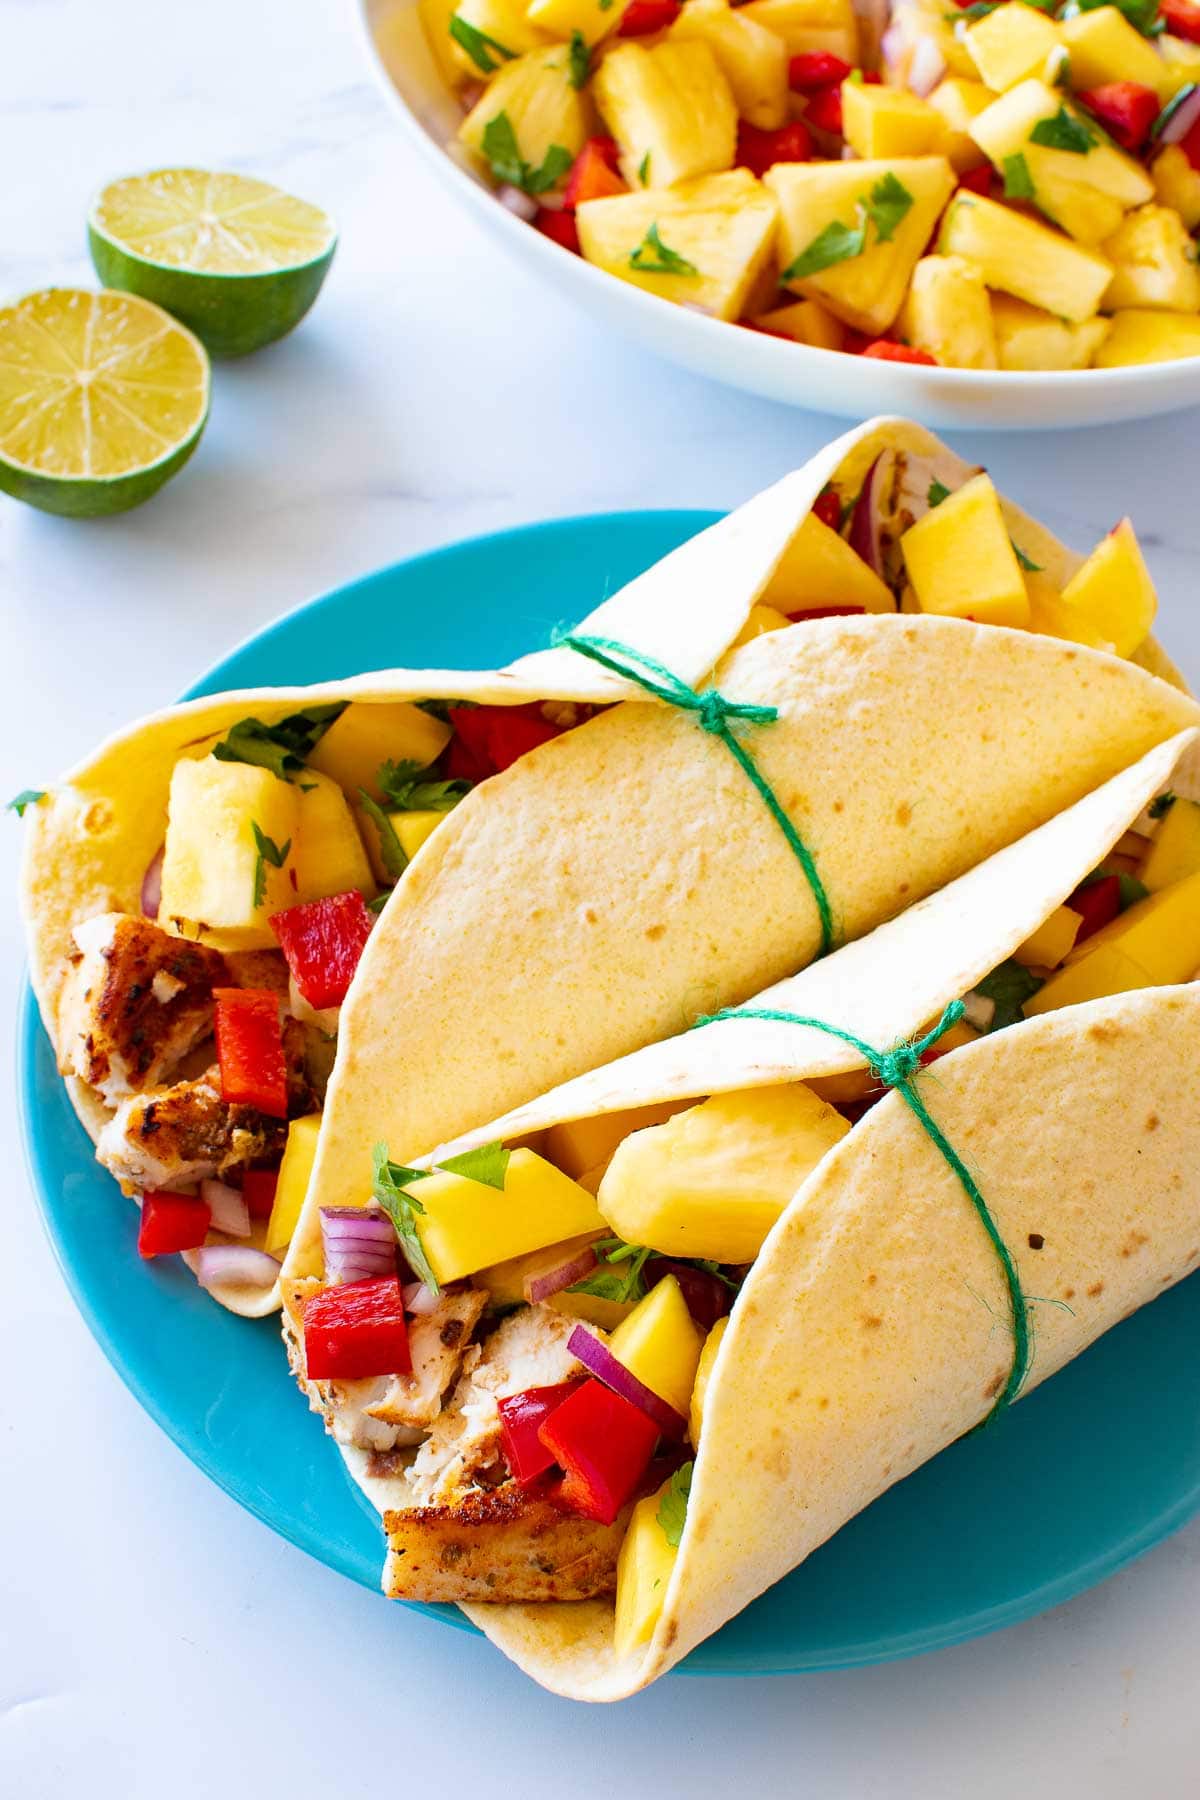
{"x": 713, "y": 713}
{"x": 897, "y": 1069}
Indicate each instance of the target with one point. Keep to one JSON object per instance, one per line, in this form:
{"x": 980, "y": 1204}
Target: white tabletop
{"x": 155, "y": 1638}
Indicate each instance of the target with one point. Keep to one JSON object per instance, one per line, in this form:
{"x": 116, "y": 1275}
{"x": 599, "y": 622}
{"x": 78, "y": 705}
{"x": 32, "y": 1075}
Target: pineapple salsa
{"x": 1014, "y": 187}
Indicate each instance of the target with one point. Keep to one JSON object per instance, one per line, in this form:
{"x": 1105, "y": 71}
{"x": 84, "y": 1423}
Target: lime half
{"x": 102, "y": 398}
{"x": 237, "y": 260}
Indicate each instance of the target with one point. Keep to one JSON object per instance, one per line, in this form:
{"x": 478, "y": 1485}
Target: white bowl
{"x": 853, "y": 387}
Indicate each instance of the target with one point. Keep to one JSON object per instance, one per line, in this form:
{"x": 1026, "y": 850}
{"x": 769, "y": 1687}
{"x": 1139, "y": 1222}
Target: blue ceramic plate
{"x": 1088, "y": 1472}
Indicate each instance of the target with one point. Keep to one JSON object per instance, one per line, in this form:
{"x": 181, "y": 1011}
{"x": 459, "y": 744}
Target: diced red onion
{"x": 599, "y": 1360}
{"x": 548, "y": 1282}
{"x": 419, "y": 1300}
{"x": 979, "y": 1011}
{"x": 359, "y": 1244}
{"x": 1182, "y": 119}
{"x": 229, "y": 1211}
{"x": 152, "y": 888}
{"x": 517, "y": 201}
{"x": 865, "y": 522}
{"x": 235, "y": 1265}
{"x": 708, "y": 1298}
{"x": 891, "y": 47}
{"x": 926, "y": 69}
{"x": 471, "y": 95}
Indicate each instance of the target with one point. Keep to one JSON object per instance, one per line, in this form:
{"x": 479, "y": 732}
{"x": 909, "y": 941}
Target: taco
{"x": 597, "y": 1292}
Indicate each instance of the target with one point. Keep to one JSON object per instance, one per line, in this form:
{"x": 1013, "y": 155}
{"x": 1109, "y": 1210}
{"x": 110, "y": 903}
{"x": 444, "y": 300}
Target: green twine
{"x": 713, "y": 713}
{"x": 896, "y": 1069}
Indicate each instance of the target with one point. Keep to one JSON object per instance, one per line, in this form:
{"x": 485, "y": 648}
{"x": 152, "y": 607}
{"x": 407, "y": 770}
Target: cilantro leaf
{"x": 653, "y": 257}
{"x": 938, "y": 491}
{"x": 889, "y": 201}
{"x": 837, "y": 243}
{"x": 644, "y": 170}
{"x": 1141, "y": 14}
{"x": 1026, "y": 562}
{"x": 621, "y": 1285}
{"x": 1010, "y": 986}
{"x": 406, "y": 791}
{"x": 488, "y": 1165}
{"x": 391, "y": 850}
{"x": 557, "y": 164}
{"x": 477, "y": 45}
{"x": 379, "y": 902}
{"x": 1130, "y": 889}
{"x": 26, "y": 797}
{"x": 389, "y": 1187}
{"x": 979, "y": 9}
{"x": 508, "y": 165}
{"x": 268, "y": 851}
{"x": 282, "y": 747}
{"x": 579, "y": 60}
{"x": 1162, "y": 804}
{"x": 1018, "y": 182}
{"x": 672, "y": 1508}
{"x": 1064, "y": 132}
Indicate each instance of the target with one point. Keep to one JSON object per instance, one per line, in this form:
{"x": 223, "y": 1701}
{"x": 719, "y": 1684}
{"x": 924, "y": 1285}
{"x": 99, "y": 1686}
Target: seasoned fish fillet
{"x": 185, "y": 1133}
{"x": 502, "y": 1545}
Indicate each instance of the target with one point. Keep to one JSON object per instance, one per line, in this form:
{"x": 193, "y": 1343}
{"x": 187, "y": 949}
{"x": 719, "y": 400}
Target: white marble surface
{"x": 155, "y": 1637}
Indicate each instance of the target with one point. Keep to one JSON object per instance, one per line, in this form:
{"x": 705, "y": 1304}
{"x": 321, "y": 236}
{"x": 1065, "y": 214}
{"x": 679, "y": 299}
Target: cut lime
{"x": 238, "y": 260}
{"x": 102, "y": 398}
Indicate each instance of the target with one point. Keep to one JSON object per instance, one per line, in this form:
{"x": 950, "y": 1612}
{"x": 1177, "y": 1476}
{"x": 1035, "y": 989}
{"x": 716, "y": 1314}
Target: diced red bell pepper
{"x": 977, "y": 181}
{"x": 824, "y": 110}
{"x": 1126, "y": 110}
{"x": 521, "y": 1418}
{"x": 1099, "y": 902}
{"x": 816, "y": 69}
{"x": 604, "y": 1443}
{"x": 172, "y": 1222}
{"x": 884, "y": 350}
{"x": 1182, "y": 18}
{"x": 322, "y": 941}
{"x": 825, "y": 612}
{"x": 759, "y": 151}
{"x": 250, "y": 1049}
{"x": 495, "y": 736}
{"x": 357, "y": 1330}
{"x": 642, "y": 17}
{"x": 828, "y": 508}
{"x": 594, "y": 173}
{"x": 559, "y": 227}
{"x": 258, "y": 1191}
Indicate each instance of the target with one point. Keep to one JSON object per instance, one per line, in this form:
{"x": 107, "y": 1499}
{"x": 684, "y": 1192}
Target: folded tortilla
{"x": 791, "y": 1372}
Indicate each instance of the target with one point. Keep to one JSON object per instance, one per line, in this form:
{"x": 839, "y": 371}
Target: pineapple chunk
{"x": 1141, "y": 336}
{"x": 1154, "y": 263}
{"x": 670, "y": 103}
{"x": 807, "y": 322}
{"x": 535, "y": 94}
{"x": 1103, "y": 46}
{"x": 947, "y": 313}
{"x": 1027, "y": 337}
{"x": 759, "y": 620}
{"x": 328, "y": 856}
{"x": 467, "y": 1226}
{"x": 1050, "y": 618}
{"x": 753, "y": 59}
{"x": 1155, "y": 944}
{"x": 704, "y": 1369}
{"x": 580, "y": 1145}
{"x": 959, "y": 101}
{"x": 1053, "y": 941}
{"x": 1025, "y": 258}
{"x": 212, "y": 866}
{"x": 712, "y": 1181}
{"x": 1177, "y": 184}
{"x": 1004, "y": 129}
{"x": 366, "y": 735}
{"x": 1011, "y": 44}
{"x": 644, "y": 1564}
{"x": 866, "y": 290}
{"x": 299, "y": 1154}
{"x": 809, "y": 25}
{"x": 592, "y": 19}
{"x": 722, "y": 226}
{"x": 1113, "y": 591}
{"x": 1083, "y": 212}
{"x": 1181, "y": 61}
{"x": 961, "y": 562}
{"x": 1175, "y": 852}
{"x": 819, "y": 568}
{"x": 886, "y": 121}
{"x": 660, "y": 1343}
{"x": 435, "y": 16}
{"x": 505, "y": 22}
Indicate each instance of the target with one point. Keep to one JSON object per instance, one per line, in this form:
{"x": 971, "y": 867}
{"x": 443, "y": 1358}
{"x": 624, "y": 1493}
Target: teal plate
{"x": 1080, "y": 1478}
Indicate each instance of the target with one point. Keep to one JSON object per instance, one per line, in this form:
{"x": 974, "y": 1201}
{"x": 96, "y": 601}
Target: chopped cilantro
{"x": 1018, "y": 182}
{"x": 672, "y": 1508}
{"x": 379, "y": 902}
{"x": 1026, "y": 562}
{"x": 391, "y": 850}
{"x": 508, "y": 165}
{"x": 884, "y": 207}
{"x": 1061, "y": 68}
{"x": 653, "y": 257}
{"x": 605, "y": 4}
{"x": 488, "y": 1165}
{"x": 389, "y": 1185}
{"x": 938, "y": 491}
{"x": 477, "y": 44}
{"x": 1131, "y": 890}
{"x": 979, "y": 9}
{"x": 614, "y": 1284}
{"x": 282, "y": 747}
{"x": 644, "y": 170}
{"x": 1162, "y": 804}
{"x": 1064, "y": 132}
{"x": 268, "y": 851}
{"x": 26, "y": 797}
{"x": 405, "y": 790}
{"x": 1143, "y": 15}
{"x": 579, "y": 60}
{"x": 889, "y": 202}
{"x": 1010, "y": 986}
{"x": 712, "y": 1268}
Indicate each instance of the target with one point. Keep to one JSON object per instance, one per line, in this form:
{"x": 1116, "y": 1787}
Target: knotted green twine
{"x": 896, "y": 1069}
{"x": 713, "y": 713}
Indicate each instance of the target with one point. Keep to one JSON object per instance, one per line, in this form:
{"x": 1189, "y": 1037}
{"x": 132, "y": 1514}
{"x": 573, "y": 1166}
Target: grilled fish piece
{"x": 181, "y": 1134}
{"x": 502, "y": 1545}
